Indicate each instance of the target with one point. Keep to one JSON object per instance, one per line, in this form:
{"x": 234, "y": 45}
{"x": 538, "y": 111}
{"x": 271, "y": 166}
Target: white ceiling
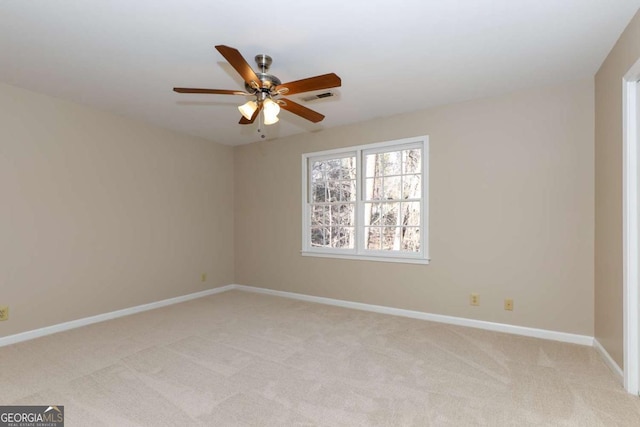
{"x": 125, "y": 56}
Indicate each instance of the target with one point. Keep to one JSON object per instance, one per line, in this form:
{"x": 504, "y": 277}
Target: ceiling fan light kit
{"x": 267, "y": 89}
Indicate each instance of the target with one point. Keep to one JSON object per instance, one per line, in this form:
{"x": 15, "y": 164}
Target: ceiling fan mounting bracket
{"x": 264, "y": 62}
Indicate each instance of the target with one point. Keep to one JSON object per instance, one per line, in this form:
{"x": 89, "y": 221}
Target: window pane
{"x": 411, "y": 188}
{"x": 333, "y": 169}
{"x": 390, "y": 238}
{"x": 342, "y": 215}
{"x": 353, "y": 194}
{"x": 390, "y": 213}
{"x": 318, "y": 215}
{"x": 341, "y": 237}
{"x": 372, "y": 214}
{"x": 343, "y": 168}
{"x": 334, "y": 189}
{"x": 371, "y": 165}
{"x": 319, "y": 192}
{"x": 410, "y": 213}
{"x": 318, "y": 236}
{"x": 411, "y": 239}
{"x": 346, "y": 190}
{"x": 411, "y": 159}
{"x": 373, "y": 238}
{"x": 391, "y": 188}
{"x": 316, "y": 171}
{"x": 348, "y": 168}
{"x": 383, "y": 164}
{"x": 392, "y": 162}
{"x": 373, "y": 189}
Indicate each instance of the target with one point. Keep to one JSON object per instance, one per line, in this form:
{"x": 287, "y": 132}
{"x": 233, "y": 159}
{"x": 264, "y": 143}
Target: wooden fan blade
{"x": 243, "y": 119}
{"x": 324, "y": 81}
{"x": 239, "y": 64}
{"x": 301, "y": 110}
{"x": 214, "y": 91}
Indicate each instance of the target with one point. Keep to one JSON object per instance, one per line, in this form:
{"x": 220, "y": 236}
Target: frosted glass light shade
{"x": 248, "y": 109}
{"x": 271, "y": 110}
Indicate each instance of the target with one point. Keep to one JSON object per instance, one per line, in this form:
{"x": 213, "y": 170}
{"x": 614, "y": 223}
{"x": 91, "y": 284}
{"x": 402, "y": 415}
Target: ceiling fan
{"x": 266, "y": 89}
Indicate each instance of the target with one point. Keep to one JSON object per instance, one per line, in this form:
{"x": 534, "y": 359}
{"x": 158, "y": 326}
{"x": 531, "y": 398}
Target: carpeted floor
{"x": 246, "y": 359}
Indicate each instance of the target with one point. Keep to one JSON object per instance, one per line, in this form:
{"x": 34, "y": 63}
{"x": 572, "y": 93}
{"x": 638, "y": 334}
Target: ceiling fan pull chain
{"x": 262, "y": 135}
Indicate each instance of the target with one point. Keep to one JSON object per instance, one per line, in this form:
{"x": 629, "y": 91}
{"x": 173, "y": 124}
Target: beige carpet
{"x": 241, "y": 358}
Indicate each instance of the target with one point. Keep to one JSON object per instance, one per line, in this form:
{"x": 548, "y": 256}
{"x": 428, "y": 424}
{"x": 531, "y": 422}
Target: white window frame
{"x": 359, "y": 251}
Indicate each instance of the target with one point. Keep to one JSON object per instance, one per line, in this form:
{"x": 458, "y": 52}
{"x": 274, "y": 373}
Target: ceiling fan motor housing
{"x": 268, "y": 81}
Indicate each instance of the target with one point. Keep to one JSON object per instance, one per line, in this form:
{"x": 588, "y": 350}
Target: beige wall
{"x": 608, "y": 190}
{"x": 511, "y": 212}
{"x": 100, "y": 213}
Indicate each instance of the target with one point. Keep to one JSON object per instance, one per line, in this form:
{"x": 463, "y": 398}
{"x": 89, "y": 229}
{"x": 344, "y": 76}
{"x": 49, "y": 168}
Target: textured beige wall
{"x": 100, "y": 213}
{"x": 608, "y": 190}
{"x": 511, "y": 192}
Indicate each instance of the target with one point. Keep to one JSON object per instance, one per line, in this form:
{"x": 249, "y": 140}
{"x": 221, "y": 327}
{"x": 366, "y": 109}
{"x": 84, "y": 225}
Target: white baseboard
{"x": 480, "y": 324}
{"x": 36, "y": 333}
{"x": 460, "y": 321}
{"x": 608, "y": 360}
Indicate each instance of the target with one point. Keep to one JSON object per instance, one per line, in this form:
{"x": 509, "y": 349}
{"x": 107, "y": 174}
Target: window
{"x": 367, "y": 202}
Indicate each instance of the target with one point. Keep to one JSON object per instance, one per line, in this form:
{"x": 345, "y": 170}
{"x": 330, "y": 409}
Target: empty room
{"x": 363, "y": 213}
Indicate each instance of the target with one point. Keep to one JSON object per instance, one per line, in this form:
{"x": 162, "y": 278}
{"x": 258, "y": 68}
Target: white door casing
{"x": 631, "y": 238}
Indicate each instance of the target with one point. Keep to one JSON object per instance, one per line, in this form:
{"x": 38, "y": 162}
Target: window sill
{"x": 399, "y": 259}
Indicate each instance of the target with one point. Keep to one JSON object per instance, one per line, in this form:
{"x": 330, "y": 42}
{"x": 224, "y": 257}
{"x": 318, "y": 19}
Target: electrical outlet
{"x": 4, "y": 313}
{"x": 475, "y": 299}
{"x": 508, "y": 304}
{"x": 203, "y": 277}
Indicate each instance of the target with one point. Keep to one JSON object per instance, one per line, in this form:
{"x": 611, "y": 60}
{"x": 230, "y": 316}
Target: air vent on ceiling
{"x": 318, "y": 96}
